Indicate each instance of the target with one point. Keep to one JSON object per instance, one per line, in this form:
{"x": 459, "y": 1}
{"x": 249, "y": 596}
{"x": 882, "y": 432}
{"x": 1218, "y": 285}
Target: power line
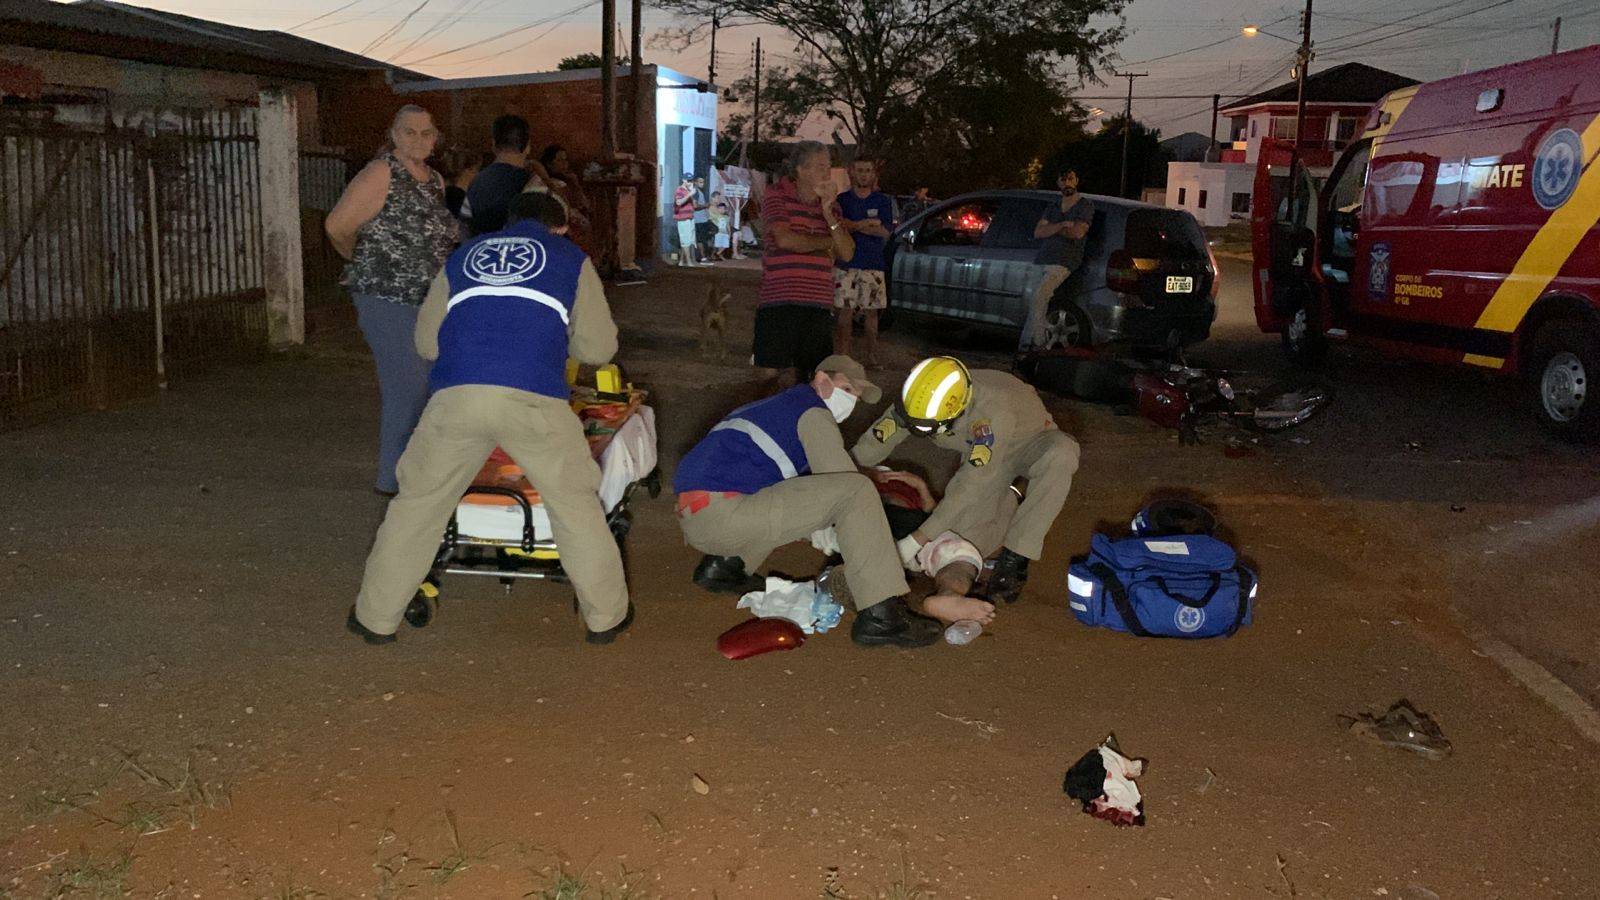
{"x": 588, "y": 4}
{"x": 1199, "y": 48}
{"x": 1418, "y": 27}
{"x": 394, "y": 29}
{"x": 337, "y": 9}
{"x": 444, "y": 23}
{"x": 528, "y": 43}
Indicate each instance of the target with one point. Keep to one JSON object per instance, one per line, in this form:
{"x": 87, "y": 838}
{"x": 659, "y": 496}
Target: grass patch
{"x": 566, "y": 885}
{"x": 458, "y": 860}
{"x": 84, "y": 874}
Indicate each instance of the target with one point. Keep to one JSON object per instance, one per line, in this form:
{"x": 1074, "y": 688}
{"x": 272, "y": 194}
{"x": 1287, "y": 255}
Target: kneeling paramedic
{"x": 776, "y": 471}
{"x": 501, "y": 320}
{"x": 1003, "y": 432}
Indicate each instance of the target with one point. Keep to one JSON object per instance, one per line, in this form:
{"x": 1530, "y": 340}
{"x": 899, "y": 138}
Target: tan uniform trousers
{"x": 978, "y": 498}
{"x": 751, "y": 526}
{"x": 459, "y": 428}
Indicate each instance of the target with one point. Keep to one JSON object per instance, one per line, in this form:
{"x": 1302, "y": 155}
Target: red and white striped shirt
{"x": 788, "y": 277}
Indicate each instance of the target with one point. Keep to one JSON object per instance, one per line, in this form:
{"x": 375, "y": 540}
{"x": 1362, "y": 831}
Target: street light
{"x": 1302, "y": 60}
{"x": 1251, "y": 31}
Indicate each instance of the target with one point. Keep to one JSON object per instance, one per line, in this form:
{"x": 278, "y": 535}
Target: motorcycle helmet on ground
{"x": 935, "y": 394}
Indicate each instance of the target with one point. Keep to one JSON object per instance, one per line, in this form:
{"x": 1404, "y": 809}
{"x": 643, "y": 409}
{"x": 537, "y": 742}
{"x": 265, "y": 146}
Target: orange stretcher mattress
{"x": 600, "y": 418}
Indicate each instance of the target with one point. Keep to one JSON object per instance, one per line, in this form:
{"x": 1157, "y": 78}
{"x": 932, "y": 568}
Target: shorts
{"x": 685, "y": 233}
{"x": 859, "y": 289}
{"x": 793, "y": 335}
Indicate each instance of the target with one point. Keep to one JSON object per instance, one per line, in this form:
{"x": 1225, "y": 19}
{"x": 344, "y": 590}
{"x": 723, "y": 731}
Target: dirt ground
{"x": 185, "y": 716}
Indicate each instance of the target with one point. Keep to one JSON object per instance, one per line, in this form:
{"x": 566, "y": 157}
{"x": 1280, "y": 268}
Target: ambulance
{"x": 1460, "y": 227}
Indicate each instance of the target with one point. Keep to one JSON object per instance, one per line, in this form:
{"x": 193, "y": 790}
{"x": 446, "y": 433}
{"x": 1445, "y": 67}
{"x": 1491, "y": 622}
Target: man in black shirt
{"x": 490, "y": 194}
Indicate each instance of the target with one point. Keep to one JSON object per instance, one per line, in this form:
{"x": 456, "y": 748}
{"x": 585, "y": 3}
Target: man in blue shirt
{"x": 490, "y": 194}
{"x": 858, "y": 284}
{"x": 501, "y": 320}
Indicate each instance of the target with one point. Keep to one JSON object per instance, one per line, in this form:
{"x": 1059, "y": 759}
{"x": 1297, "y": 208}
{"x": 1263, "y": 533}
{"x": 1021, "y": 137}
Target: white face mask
{"x": 841, "y": 403}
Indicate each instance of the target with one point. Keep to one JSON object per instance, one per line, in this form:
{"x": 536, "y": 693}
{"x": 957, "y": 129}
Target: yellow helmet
{"x": 935, "y": 394}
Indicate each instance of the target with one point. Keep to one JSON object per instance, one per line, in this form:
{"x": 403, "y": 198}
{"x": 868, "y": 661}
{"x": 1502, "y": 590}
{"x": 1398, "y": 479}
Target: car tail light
{"x": 1216, "y": 272}
{"x": 1122, "y": 274}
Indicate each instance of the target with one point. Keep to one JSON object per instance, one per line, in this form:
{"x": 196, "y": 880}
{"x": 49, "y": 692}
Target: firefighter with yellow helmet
{"x": 1004, "y": 435}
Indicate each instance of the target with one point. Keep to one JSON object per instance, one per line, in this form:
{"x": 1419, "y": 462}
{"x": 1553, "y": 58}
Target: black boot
{"x": 726, "y": 575}
{"x": 610, "y": 634}
{"x": 1009, "y": 575}
{"x": 355, "y": 627}
{"x": 892, "y": 623}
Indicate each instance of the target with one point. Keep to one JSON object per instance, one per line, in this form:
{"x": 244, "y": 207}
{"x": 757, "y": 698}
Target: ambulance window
{"x": 1393, "y": 186}
{"x": 1447, "y": 186}
{"x": 1346, "y": 193}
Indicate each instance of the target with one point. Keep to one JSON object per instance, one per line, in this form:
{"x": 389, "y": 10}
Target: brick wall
{"x": 357, "y": 113}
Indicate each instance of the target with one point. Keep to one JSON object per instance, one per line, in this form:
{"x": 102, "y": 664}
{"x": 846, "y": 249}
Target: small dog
{"x": 714, "y": 322}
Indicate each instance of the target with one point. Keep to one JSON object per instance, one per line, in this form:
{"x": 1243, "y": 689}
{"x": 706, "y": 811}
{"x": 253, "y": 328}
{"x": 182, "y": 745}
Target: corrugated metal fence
{"x": 128, "y": 255}
{"x": 323, "y": 177}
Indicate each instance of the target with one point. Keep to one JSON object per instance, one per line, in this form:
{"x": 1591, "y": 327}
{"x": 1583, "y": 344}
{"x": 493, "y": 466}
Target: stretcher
{"x": 500, "y": 528}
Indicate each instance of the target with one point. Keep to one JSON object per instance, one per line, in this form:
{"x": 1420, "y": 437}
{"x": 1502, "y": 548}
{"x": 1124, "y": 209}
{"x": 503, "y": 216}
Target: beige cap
{"x": 852, "y": 370}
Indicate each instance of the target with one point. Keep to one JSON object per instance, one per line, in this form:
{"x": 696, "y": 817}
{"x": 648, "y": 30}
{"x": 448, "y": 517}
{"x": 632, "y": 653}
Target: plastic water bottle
{"x": 962, "y": 633}
{"x": 826, "y": 608}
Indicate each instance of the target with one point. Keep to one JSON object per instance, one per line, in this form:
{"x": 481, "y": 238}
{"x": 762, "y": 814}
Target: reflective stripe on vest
{"x": 763, "y": 442}
{"x": 539, "y": 297}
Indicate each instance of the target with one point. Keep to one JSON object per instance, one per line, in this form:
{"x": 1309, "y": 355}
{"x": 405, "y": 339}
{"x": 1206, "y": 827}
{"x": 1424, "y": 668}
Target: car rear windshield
{"x": 1164, "y": 234}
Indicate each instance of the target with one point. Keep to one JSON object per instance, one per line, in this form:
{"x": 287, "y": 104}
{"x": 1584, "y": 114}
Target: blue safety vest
{"x": 511, "y": 297}
{"x": 755, "y": 447}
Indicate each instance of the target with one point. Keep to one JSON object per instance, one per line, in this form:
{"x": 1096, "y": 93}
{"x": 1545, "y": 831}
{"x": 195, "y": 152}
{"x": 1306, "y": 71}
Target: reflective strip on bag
{"x": 1083, "y": 587}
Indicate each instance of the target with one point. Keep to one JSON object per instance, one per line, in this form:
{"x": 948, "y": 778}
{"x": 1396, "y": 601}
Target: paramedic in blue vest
{"x": 774, "y": 472}
{"x": 501, "y": 320}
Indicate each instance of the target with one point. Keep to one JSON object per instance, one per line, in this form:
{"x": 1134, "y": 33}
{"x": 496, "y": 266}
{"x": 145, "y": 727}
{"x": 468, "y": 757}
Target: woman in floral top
{"x": 393, "y": 226}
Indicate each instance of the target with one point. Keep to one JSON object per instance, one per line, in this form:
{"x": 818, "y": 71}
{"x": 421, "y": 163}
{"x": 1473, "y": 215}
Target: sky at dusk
{"x": 1424, "y": 39}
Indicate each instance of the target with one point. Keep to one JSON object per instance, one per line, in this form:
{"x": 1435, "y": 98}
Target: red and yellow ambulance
{"x": 1460, "y": 228}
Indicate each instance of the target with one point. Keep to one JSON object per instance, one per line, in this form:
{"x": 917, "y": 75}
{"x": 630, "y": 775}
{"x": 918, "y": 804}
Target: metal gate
{"x": 127, "y": 255}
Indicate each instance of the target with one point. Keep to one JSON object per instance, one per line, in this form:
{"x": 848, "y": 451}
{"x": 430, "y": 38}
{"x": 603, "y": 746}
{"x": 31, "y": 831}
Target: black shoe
{"x": 610, "y": 634}
{"x": 355, "y": 627}
{"x": 1009, "y": 575}
{"x": 726, "y": 575}
{"x": 892, "y": 623}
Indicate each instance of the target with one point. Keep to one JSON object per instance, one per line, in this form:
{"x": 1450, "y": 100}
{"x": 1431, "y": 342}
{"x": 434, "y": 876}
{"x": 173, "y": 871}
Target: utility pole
{"x": 755, "y": 118}
{"x": 1555, "y": 39}
{"x": 1302, "y": 62}
{"x": 636, "y": 72}
{"x": 711, "y": 71}
{"x": 1216, "y": 104}
{"x": 608, "y": 80}
{"x": 1127, "y": 125}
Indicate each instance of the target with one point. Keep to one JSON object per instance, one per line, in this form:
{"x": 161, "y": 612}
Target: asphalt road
{"x": 1452, "y": 458}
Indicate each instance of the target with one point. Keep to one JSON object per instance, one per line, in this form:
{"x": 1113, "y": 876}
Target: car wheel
{"x": 1067, "y": 326}
{"x": 1303, "y": 341}
{"x": 1564, "y": 360}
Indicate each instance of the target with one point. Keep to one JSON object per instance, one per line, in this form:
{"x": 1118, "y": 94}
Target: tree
{"x": 869, "y": 63}
{"x": 1098, "y": 160}
{"x": 581, "y": 61}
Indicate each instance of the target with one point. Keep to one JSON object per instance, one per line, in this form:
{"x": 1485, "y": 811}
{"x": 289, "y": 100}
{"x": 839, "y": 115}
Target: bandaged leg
{"x": 954, "y": 564}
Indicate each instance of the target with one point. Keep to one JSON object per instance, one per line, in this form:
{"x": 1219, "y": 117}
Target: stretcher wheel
{"x": 419, "y": 612}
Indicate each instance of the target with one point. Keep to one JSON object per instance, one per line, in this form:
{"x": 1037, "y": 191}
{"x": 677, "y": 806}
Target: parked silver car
{"x": 1148, "y": 277}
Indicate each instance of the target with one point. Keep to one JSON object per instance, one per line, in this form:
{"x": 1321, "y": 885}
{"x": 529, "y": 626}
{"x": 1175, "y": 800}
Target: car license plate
{"x": 1180, "y": 284}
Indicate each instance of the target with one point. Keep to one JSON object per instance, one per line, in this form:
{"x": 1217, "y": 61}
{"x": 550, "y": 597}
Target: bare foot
{"x": 951, "y": 608}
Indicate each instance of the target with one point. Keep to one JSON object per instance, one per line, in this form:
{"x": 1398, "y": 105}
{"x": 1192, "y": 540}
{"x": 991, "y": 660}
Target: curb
{"x": 1538, "y": 680}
